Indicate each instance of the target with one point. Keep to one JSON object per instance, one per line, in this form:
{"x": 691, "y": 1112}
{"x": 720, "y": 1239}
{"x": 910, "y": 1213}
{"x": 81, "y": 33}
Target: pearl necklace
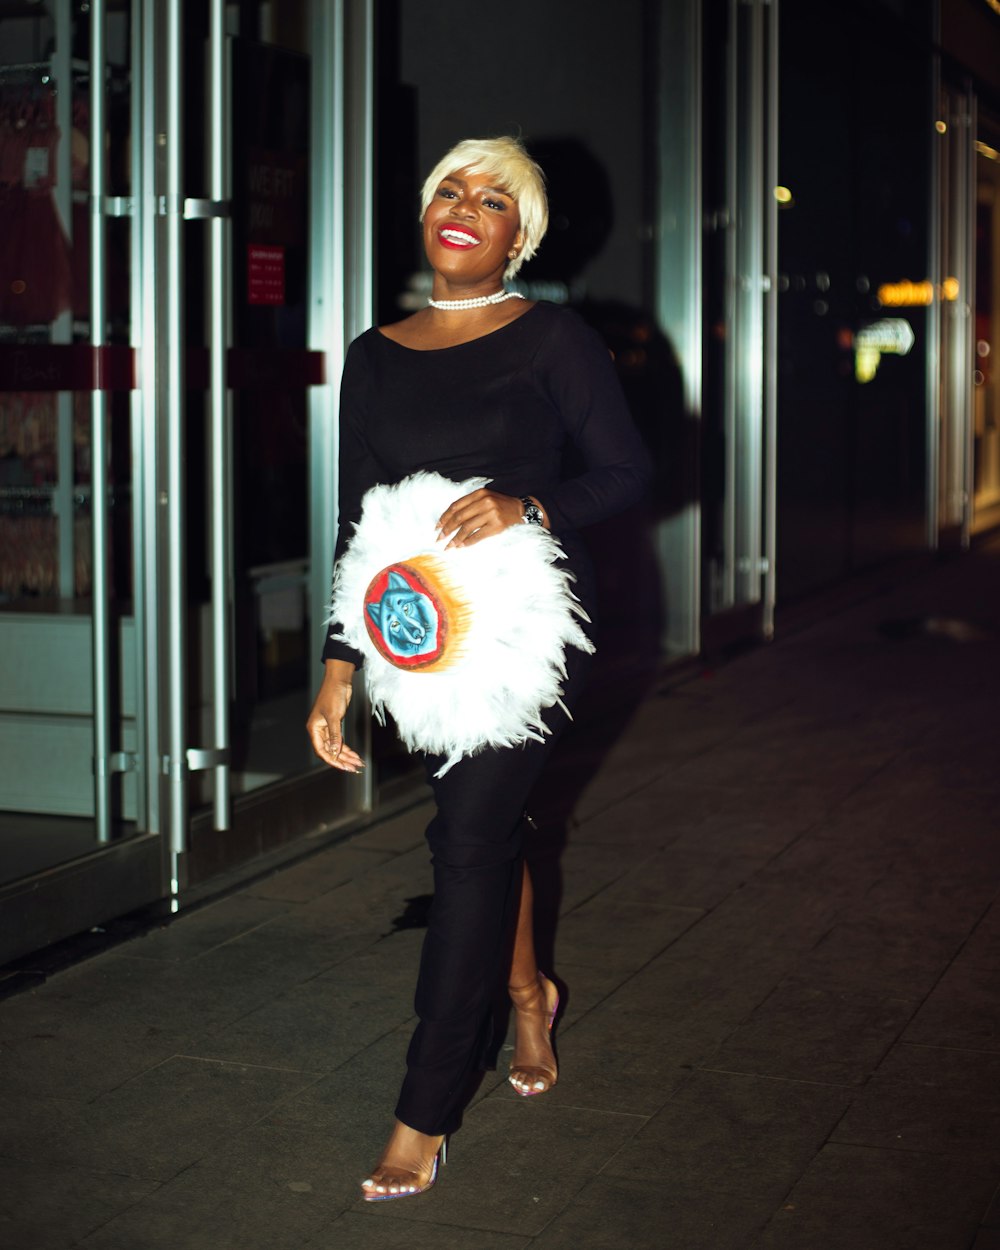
{"x": 481, "y": 301}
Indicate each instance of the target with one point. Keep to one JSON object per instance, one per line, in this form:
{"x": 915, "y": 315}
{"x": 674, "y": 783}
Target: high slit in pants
{"x": 476, "y": 840}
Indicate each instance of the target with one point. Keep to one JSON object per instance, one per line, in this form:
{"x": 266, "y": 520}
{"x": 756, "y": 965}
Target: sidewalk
{"x": 780, "y": 937}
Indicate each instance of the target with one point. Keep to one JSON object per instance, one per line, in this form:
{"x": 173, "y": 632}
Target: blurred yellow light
{"x": 940, "y": 127}
{"x": 866, "y": 362}
{"x": 783, "y": 195}
{"x": 984, "y": 149}
{"x": 949, "y": 289}
{"x": 906, "y": 294}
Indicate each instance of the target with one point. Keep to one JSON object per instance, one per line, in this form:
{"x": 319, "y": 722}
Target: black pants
{"x": 476, "y": 845}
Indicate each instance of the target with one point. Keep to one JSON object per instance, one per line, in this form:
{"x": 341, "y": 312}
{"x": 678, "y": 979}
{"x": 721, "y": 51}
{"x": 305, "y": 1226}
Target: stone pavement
{"x": 780, "y": 936}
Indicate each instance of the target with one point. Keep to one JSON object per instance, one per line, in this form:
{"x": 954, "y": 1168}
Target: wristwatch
{"x": 533, "y": 515}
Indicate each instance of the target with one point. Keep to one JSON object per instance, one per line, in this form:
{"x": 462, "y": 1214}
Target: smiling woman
{"x": 480, "y": 394}
{"x": 504, "y": 176}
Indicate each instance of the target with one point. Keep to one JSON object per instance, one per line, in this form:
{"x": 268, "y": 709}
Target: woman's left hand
{"x": 477, "y": 516}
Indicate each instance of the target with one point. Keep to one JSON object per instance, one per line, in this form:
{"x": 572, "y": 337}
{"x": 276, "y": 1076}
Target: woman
{"x": 480, "y": 383}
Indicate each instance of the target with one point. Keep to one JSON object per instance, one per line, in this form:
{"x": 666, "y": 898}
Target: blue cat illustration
{"x": 406, "y": 619}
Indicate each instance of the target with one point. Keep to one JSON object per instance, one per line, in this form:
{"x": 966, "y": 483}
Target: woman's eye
{"x": 447, "y": 193}
{"x": 407, "y": 609}
{"x": 496, "y": 204}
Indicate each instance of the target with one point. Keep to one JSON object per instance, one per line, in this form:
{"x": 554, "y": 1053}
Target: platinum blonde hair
{"x": 506, "y": 160}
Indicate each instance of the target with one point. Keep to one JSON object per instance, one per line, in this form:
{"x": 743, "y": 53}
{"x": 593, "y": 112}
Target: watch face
{"x": 532, "y": 513}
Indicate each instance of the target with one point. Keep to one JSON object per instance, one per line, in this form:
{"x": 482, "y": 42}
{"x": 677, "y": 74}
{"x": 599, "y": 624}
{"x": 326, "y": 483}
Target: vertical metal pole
{"x": 99, "y": 434}
{"x": 770, "y": 336}
{"x": 360, "y": 118}
{"x": 932, "y": 378}
{"x": 967, "y": 295}
{"x": 679, "y": 293}
{"x": 176, "y": 607}
{"x": 956, "y": 314}
{"x": 326, "y": 299}
{"x": 950, "y": 486}
{"x": 749, "y": 345}
{"x": 219, "y": 407}
{"x": 341, "y": 294}
{"x": 62, "y": 329}
{"x": 359, "y": 242}
{"x": 137, "y": 441}
{"x": 145, "y": 448}
{"x": 734, "y": 226}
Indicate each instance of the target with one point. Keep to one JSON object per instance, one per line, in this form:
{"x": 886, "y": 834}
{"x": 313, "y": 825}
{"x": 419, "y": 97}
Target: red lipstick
{"x": 458, "y": 238}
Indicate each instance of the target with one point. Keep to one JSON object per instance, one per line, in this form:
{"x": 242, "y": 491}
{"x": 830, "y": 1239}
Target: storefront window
{"x": 55, "y": 391}
{"x": 854, "y": 196}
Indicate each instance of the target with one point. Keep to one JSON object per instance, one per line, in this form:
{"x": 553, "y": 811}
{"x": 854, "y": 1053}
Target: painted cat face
{"x": 405, "y": 618}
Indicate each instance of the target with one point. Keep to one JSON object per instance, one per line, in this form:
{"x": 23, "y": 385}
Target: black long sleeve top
{"x": 506, "y": 406}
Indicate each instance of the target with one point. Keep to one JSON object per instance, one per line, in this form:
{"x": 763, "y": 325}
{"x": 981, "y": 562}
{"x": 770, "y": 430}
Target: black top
{"x": 504, "y": 406}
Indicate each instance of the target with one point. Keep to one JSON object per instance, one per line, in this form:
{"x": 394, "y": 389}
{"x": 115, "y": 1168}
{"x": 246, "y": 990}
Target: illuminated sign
{"x": 892, "y": 336}
{"x": 907, "y": 294}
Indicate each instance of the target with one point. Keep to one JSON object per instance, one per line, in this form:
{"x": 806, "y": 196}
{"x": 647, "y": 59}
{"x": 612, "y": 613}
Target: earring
{"x": 512, "y": 255}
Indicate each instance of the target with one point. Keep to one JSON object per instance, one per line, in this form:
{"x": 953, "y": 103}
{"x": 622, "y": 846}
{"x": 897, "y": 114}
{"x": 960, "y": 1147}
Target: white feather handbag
{"x": 464, "y": 648}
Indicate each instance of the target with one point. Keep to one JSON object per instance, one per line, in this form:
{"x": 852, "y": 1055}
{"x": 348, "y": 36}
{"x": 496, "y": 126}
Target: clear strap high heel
{"x": 408, "y": 1183}
{"x": 538, "y": 999}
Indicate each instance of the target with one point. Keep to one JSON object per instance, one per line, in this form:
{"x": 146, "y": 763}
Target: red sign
{"x": 265, "y": 274}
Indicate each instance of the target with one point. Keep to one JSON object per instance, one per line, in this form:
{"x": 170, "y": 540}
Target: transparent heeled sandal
{"x": 538, "y": 1077}
{"x": 406, "y": 1189}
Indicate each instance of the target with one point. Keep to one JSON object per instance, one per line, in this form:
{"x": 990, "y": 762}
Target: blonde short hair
{"x": 506, "y": 160}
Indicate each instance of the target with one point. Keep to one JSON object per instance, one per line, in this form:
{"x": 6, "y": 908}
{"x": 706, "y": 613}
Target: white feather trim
{"x": 523, "y": 616}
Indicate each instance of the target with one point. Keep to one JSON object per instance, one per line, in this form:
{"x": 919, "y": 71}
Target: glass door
{"x": 174, "y": 306}
{"x": 77, "y": 795}
{"x": 257, "y": 305}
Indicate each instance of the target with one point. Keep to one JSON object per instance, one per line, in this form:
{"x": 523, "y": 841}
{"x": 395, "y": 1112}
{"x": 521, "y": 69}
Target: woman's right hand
{"x": 325, "y": 723}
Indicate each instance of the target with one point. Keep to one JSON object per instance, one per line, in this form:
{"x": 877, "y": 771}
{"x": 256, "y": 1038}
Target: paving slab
{"x": 224, "y": 920}
{"x": 319, "y": 1025}
{"x": 320, "y": 873}
{"x": 963, "y": 1009}
{"x": 620, "y": 1211}
{"x": 47, "y": 1207}
{"x": 853, "y": 1197}
{"x": 930, "y": 1099}
{"x": 620, "y": 935}
{"x": 159, "y": 1123}
{"x": 723, "y": 1133}
{"x": 368, "y": 1231}
{"x": 267, "y": 1186}
{"x": 805, "y": 1032}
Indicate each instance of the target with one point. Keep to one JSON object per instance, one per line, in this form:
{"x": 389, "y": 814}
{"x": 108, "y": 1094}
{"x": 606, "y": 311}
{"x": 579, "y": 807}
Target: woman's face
{"x": 470, "y": 226}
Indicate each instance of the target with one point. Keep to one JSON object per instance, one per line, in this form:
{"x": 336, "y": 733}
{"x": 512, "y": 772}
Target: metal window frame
{"x": 679, "y": 294}
{"x": 747, "y": 576}
{"x": 950, "y": 416}
{"x": 341, "y": 295}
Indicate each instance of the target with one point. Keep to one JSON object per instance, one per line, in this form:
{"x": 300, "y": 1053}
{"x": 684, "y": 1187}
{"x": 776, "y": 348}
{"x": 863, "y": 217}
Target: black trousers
{"x": 476, "y": 840}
